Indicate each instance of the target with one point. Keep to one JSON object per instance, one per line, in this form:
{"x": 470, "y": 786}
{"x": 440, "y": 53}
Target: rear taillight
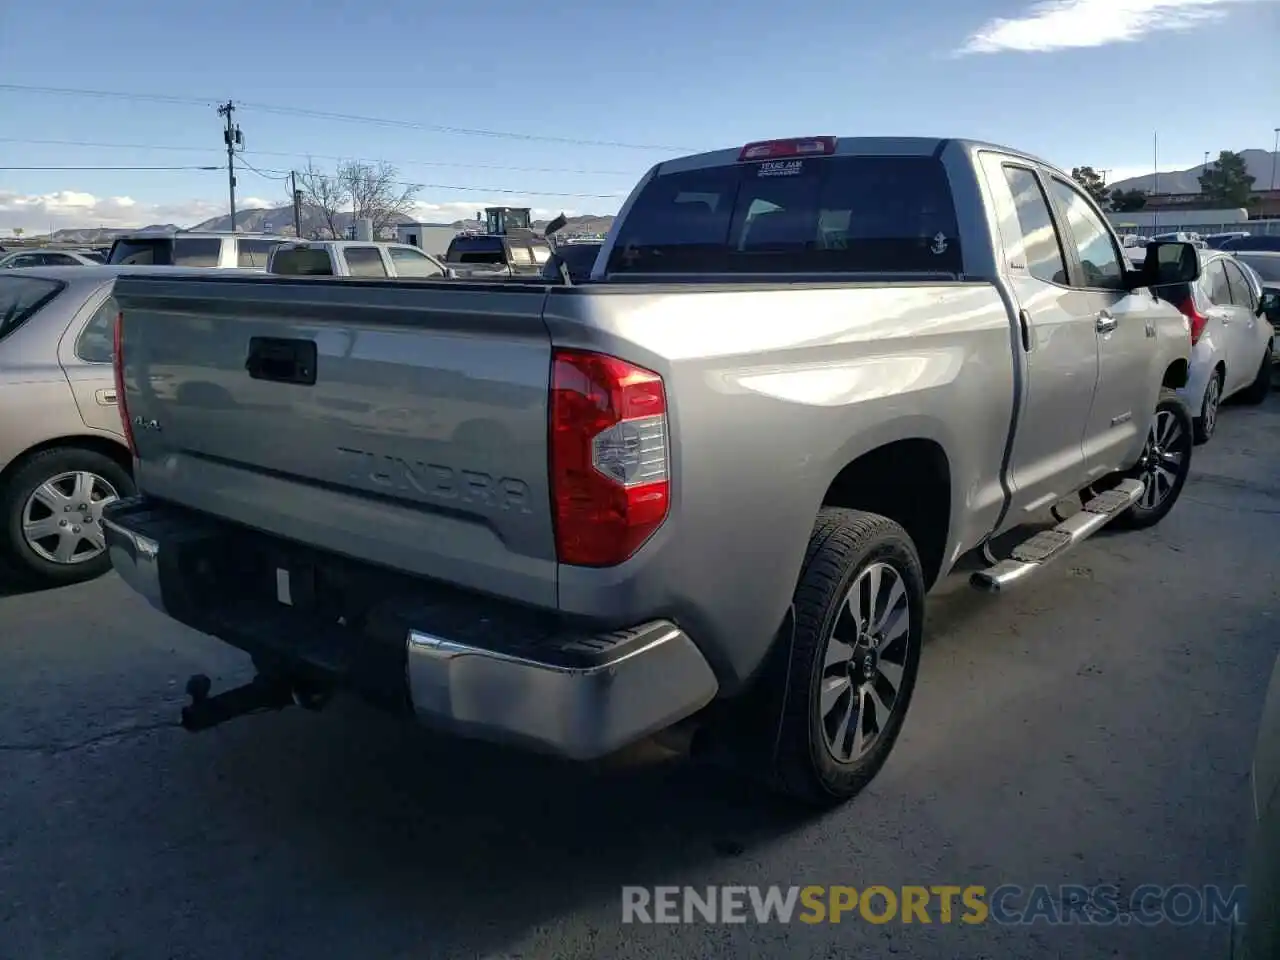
{"x": 610, "y": 463}
{"x": 1198, "y": 320}
{"x": 117, "y": 363}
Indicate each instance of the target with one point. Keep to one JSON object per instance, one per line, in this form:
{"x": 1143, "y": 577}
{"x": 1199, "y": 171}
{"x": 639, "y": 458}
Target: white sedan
{"x": 47, "y": 258}
{"x": 1231, "y": 345}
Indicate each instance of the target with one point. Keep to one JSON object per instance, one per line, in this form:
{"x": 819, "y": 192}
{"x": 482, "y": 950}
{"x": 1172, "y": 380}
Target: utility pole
{"x": 297, "y": 204}
{"x": 1275, "y": 150}
{"x": 232, "y": 137}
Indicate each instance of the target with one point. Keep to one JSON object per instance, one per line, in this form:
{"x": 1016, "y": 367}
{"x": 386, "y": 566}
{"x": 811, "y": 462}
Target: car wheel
{"x": 1207, "y": 422}
{"x": 52, "y": 514}
{"x": 1164, "y": 464}
{"x": 1257, "y": 391}
{"x": 855, "y": 655}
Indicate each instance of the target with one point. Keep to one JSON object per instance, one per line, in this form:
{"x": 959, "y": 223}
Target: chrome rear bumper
{"x": 636, "y": 683}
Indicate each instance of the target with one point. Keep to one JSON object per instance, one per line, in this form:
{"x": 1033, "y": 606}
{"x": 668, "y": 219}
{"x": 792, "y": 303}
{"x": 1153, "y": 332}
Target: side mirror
{"x": 1268, "y": 303}
{"x": 1169, "y": 261}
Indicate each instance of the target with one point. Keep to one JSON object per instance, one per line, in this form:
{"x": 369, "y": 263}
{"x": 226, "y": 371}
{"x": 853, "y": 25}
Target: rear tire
{"x": 855, "y": 656}
{"x": 1207, "y": 422}
{"x": 41, "y": 515}
{"x": 1165, "y": 463}
{"x": 1257, "y": 391}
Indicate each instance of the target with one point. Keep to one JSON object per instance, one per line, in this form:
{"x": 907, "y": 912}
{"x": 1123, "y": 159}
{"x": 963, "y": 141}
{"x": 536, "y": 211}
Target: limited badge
{"x": 939, "y": 243}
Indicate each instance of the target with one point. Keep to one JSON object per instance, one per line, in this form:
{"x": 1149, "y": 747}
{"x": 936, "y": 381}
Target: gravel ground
{"x": 1094, "y": 727}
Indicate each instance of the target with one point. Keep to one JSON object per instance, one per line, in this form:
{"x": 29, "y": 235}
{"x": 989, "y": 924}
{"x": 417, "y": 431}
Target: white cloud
{"x": 75, "y": 209}
{"x": 62, "y": 209}
{"x": 1067, "y": 24}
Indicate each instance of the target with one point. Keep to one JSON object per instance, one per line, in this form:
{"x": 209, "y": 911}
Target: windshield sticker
{"x": 780, "y": 168}
{"x": 939, "y": 244}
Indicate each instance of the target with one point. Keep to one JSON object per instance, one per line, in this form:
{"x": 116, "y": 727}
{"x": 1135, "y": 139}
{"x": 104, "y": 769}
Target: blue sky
{"x": 1077, "y": 81}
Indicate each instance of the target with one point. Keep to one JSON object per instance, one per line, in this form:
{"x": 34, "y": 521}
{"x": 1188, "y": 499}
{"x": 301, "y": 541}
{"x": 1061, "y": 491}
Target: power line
{"x": 106, "y": 168}
{"x": 337, "y": 117}
{"x": 265, "y": 176}
{"x": 269, "y": 173}
{"x": 322, "y": 156}
{"x": 336, "y": 158}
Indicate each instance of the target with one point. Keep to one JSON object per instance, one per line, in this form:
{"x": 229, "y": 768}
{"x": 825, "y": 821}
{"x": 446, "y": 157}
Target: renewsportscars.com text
{"x": 1102, "y": 904}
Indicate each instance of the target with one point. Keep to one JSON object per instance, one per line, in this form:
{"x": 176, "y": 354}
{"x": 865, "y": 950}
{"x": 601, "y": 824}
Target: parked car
{"x": 190, "y": 248}
{"x": 1262, "y": 242}
{"x": 354, "y": 258}
{"x": 1231, "y": 345}
{"x": 713, "y": 486}
{"x": 1265, "y": 265}
{"x": 1258, "y": 938}
{"x": 494, "y": 257}
{"x": 63, "y": 454}
{"x": 46, "y": 258}
{"x": 577, "y": 257}
{"x": 1216, "y": 240}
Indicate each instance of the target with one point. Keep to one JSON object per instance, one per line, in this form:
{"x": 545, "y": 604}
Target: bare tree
{"x": 375, "y": 193}
{"x": 325, "y": 193}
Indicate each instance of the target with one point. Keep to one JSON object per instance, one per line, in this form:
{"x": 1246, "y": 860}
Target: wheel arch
{"x": 908, "y": 481}
{"x": 106, "y": 446}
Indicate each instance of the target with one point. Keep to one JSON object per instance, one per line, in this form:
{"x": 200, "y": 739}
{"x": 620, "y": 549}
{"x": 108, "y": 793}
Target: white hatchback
{"x": 1231, "y": 345}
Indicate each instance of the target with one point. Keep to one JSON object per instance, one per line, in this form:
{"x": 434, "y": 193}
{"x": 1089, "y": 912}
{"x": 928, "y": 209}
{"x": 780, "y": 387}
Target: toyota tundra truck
{"x": 706, "y": 492}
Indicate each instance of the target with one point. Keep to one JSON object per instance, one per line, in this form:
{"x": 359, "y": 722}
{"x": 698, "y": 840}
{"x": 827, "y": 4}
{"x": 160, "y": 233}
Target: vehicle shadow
{"x": 13, "y": 584}
{"x": 386, "y": 841}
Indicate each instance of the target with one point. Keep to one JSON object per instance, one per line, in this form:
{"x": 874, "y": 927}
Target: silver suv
{"x": 246, "y": 251}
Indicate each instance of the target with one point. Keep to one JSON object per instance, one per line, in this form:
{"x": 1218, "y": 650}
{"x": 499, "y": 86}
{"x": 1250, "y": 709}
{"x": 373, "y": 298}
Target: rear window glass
{"x": 476, "y": 250}
{"x": 21, "y": 298}
{"x": 157, "y": 252}
{"x": 1268, "y": 268}
{"x": 302, "y": 262}
{"x": 831, "y": 214}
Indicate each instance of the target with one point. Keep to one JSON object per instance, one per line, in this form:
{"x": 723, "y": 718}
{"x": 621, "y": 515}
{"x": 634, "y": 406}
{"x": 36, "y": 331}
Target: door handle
{"x": 1024, "y": 326}
{"x": 1106, "y": 322}
{"x": 282, "y": 360}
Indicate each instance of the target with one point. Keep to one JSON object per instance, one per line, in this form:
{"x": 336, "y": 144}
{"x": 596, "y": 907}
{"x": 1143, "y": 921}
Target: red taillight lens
{"x": 610, "y": 464}
{"x": 117, "y": 362}
{"x": 1198, "y": 320}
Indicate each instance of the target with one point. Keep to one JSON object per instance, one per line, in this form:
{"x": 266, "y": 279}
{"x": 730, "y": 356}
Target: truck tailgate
{"x": 399, "y": 423}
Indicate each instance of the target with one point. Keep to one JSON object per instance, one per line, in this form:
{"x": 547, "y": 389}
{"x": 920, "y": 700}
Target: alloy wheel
{"x": 861, "y": 682}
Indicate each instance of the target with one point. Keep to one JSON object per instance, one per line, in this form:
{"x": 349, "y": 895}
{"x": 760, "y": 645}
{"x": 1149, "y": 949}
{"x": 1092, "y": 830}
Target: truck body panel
{"x": 421, "y": 445}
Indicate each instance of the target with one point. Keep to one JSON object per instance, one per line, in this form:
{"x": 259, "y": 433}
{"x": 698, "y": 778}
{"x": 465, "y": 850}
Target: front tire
{"x": 1257, "y": 391}
{"x": 1164, "y": 465}
{"x": 859, "y": 625}
{"x": 51, "y": 512}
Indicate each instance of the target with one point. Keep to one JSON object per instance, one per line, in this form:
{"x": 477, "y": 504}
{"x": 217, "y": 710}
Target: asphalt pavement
{"x": 1094, "y": 727}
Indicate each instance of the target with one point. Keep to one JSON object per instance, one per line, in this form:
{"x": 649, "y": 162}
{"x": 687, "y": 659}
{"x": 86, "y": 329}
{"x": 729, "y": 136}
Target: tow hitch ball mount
{"x": 261, "y": 694}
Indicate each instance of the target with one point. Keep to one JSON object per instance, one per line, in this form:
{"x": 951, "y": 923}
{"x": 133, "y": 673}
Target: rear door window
{"x": 197, "y": 251}
{"x": 828, "y": 214}
{"x": 364, "y": 262}
{"x": 1041, "y": 246}
{"x": 253, "y": 254}
{"x": 22, "y": 297}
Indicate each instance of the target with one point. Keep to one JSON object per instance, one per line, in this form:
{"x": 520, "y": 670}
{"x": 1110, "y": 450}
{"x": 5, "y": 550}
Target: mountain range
{"x": 280, "y": 220}
{"x": 1261, "y": 164}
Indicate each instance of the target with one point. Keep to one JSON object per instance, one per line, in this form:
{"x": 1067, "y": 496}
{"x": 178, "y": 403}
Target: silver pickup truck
{"x": 710, "y": 488}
